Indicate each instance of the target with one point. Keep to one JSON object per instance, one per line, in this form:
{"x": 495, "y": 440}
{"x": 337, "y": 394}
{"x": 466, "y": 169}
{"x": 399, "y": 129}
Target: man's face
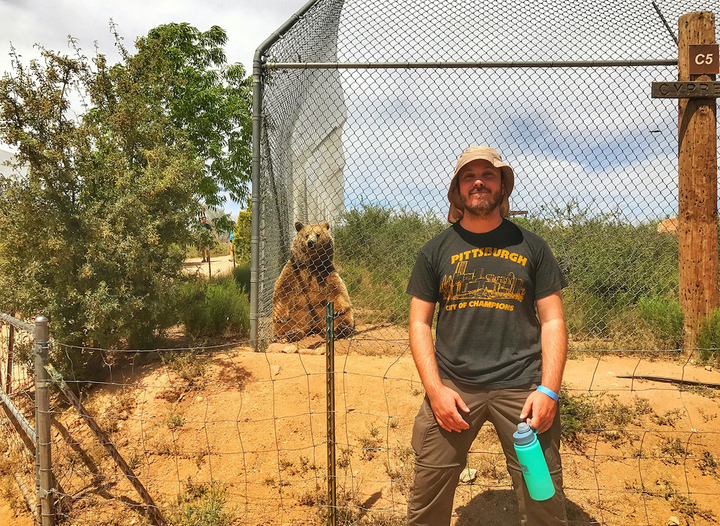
{"x": 481, "y": 188}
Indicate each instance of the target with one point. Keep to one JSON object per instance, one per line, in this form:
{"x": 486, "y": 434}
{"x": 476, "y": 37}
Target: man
{"x": 493, "y": 358}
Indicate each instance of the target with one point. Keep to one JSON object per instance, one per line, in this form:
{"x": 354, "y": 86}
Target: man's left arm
{"x": 539, "y": 409}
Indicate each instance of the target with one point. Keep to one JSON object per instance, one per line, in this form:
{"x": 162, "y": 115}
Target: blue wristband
{"x": 544, "y": 390}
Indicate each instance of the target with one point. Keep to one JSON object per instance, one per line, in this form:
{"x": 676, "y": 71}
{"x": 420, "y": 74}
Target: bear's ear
{"x": 298, "y": 226}
{"x": 326, "y": 225}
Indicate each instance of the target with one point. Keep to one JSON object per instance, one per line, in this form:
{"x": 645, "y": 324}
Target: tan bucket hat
{"x": 474, "y": 153}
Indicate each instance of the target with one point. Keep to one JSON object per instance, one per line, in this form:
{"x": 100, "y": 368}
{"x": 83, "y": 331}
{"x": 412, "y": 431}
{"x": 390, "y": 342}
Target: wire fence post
{"x": 330, "y": 384}
{"x": 43, "y": 418}
{"x": 11, "y": 351}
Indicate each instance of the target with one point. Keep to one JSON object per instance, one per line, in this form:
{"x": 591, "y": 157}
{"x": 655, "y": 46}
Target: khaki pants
{"x": 441, "y": 457}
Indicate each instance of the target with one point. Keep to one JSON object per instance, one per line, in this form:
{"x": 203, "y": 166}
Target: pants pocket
{"x": 423, "y": 421}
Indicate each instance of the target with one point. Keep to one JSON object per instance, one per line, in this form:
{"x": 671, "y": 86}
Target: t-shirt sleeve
{"x": 423, "y": 280}
{"x": 549, "y": 279}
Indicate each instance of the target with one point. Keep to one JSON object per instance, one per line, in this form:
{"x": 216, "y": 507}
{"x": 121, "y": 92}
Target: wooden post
{"x": 697, "y": 217}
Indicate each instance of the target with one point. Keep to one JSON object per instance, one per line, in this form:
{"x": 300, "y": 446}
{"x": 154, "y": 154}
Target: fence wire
{"x": 370, "y": 149}
{"x": 17, "y": 416}
{"x": 242, "y": 435}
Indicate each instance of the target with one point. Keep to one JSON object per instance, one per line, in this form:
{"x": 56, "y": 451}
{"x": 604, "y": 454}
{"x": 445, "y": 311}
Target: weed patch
{"x": 201, "y": 505}
{"x": 601, "y": 413}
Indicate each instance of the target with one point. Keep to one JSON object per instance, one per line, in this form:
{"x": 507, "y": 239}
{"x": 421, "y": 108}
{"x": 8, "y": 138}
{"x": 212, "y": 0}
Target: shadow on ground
{"x": 499, "y": 508}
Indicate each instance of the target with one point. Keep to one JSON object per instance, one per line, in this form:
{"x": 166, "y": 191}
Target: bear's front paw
{"x": 294, "y": 336}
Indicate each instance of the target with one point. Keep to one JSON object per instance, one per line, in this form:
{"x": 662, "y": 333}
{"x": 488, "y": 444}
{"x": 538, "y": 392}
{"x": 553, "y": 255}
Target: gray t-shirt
{"x": 488, "y": 333}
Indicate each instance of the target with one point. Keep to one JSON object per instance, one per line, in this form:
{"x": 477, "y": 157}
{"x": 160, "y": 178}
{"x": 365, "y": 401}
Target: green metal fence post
{"x": 330, "y": 384}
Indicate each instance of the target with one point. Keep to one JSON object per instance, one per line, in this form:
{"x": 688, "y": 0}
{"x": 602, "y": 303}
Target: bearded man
{"x": 500, "y": 347}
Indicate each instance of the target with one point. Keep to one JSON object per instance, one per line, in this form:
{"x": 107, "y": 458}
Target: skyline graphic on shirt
{"x": 463, "y": 285}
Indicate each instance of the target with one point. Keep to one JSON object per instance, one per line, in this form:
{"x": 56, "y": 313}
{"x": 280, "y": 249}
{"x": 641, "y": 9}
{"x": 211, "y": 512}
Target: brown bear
{"x": 306, "y": 284}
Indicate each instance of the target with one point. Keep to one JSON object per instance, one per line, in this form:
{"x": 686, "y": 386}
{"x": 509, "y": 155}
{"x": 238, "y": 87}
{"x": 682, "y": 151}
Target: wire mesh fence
{"x": 366, "y": 105}
{"x": 17, "y": 414}
{"x": 240, "y": 437}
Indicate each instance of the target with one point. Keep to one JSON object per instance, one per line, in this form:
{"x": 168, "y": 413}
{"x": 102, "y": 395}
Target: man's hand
{"x": 539, "y": 411}
{"x": 445, "y": 403}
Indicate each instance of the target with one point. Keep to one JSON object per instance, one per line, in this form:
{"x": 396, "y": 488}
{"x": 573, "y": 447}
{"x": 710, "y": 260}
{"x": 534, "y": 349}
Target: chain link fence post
{"x": 43, "y": 453}
{"x": 330, "y": 383}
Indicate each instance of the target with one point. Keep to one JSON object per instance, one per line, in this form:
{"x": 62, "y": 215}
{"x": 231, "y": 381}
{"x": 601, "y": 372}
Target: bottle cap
{"x": 524, "y": 434}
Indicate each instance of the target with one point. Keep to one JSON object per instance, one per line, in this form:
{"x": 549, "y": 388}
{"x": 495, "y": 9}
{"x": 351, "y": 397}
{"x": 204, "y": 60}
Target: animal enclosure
{"x": 365, "y": 106}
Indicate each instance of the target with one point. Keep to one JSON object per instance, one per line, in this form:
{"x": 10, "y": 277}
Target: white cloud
{"x": 49, "y": 22}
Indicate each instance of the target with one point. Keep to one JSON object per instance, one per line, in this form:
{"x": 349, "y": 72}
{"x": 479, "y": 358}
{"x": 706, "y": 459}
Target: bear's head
{"x": 313, "y": 246}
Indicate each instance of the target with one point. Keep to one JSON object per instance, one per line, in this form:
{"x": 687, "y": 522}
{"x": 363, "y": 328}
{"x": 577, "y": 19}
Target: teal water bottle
{"x": 532, "y": 461}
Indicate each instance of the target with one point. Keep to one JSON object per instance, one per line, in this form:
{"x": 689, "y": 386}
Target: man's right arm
{"x": 443, "y": 400}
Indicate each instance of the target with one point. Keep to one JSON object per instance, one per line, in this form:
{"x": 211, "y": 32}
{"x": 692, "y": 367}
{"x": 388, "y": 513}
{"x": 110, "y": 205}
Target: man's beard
{"x": 484, "y": 208}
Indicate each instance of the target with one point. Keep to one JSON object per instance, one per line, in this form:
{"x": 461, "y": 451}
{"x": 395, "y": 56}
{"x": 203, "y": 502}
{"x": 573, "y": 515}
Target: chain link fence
{"x": 366, "y": 106}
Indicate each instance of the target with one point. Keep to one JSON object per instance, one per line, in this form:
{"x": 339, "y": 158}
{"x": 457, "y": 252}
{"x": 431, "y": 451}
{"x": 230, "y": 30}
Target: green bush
{"x": 664, "y": 317}
{"x": 609, "y": 264}
{"x": 588, "y": 413}
{"x": 375, "y": 250}
{"x": 243, "y": 232}
{"x": 241, "y": 273}
{"x": 709, "y": 337}
{"x": 576, "y": 413}
{"x": 213, "y": 307}
{"x": 201, "y": 505}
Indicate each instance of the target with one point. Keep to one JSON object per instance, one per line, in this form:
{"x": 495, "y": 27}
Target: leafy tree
{"x": 185, "y": 70}
{"x": 94, "y": 234}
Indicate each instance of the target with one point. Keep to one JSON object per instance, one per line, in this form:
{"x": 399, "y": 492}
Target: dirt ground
{"x": 256, "y": 424}
{"x": 218, "y": 265}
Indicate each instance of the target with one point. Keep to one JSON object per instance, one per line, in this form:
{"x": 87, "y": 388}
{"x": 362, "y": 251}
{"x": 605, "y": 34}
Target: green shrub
{"x": 576, "y": 413}
{"x": 709, "y": 337}
{"x": 241, "y": 273}
{"x": 610, "y": 266}
{"x": 243, "y": 232}
{"x": 214, "y": 306}
{"x": 375, "y": 251}
{"x": 201, "y": 505}
{"x": 588, "y": 413}
{"x": 381, "y": 237}
{"x": 664, "y": 317}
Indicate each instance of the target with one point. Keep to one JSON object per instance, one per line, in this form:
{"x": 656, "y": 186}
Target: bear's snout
{"x": 312, "y": 241}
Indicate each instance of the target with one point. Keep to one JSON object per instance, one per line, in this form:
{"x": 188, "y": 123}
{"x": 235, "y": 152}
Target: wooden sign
{"x": 704, "y": 59}
{"x": 685, "y": 90}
